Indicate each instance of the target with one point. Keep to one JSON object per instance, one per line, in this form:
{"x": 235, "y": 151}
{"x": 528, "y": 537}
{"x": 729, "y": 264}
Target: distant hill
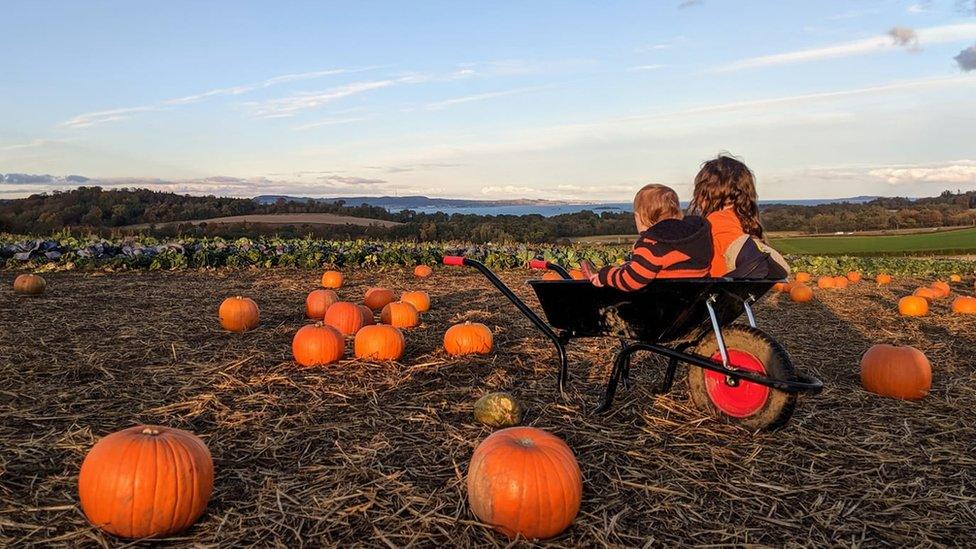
{"x": 412, "y": 202}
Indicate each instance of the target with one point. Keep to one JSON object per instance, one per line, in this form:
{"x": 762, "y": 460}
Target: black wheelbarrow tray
{"x": 735, "y": 371}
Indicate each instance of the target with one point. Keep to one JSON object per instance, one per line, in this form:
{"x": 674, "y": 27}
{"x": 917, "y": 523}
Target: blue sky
{"x": 563, "y": 100}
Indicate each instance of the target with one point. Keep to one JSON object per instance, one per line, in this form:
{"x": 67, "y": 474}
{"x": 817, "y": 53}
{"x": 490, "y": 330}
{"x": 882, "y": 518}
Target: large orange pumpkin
{"x": 419, "y": 300}
{"x": 468, "y": 338}
{"x": 926, "y": 292}
{"x": 883, "y": 279}
{"x": 525, "y": 481}
{"x": 964, "y": 305}
{"x": 239, "y": 314}
{"x": 146, "y": 481}
{"x": 317, "y": 345}
{"x": 552, "y": 275}
{"x": 955, "y": 278}
{"x": 841, "y": 282}
{"x": 377, "y": 298}
{"x": 422, "y": 271}
{"x": 577, "y": 274}
{"x": 894, "y": 371}
{"x": 826, "y": 282}
{"x": 346, "y": 317}
{"x": 332, "y": 279}
{"x": 913, "y": 305}
{"x": 802, "y": 277}
{"x": 941, "y": 289}
{"x": 800, "y": 292}
{"x": 854, "y": 277}
{"x": 400, "y": 315}
{"x": 319, "y": 301}
{"x": 379, "y": 342}
{"x": 29, "y": 284}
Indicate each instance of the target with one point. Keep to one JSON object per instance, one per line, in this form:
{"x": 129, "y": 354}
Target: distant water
{"x": 551, "y": 210}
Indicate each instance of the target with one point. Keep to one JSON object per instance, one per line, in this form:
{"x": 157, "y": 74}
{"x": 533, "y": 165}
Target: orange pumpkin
{"x": 841, "y": 282}
{"x": 897, "y": 372}
{"x": 941, "y": 289}
{"x": 468, "y": 338}
{"x": 368, "y": 318}
{"x": 800, "y": 293}
{"x": 319, "y": 301}
{"x": 955, "y": 278}
{"x": 913, "y": 305}
{"x": 826, "y": 282}
{"x": 781, "y": 287}
{"x": 552, "y": 275}
{"x": 964, "y": 305}
{"x": 854, "y": 277}
{"x": 419, "y": 300}
{"x": 239, "y": 314}
{"x": 802, "y": 277}
{"x": 29, "y": 284}
{"x": 883, "y": 279}
{"x": 377, "y": 298}
{"x": 422, "y": 271}
{"x": 379, "y": 342}
{"x": 146, "y": 481}
{"x": 346, "y": 317}
{"x": 927, "y": 293}
{"x": 525, "y": 481}
{"x": 577, "y": 274}
{"x": 332, "y": 279}
{"x": 400, "y": 315}
{"x": 317, "y": 345}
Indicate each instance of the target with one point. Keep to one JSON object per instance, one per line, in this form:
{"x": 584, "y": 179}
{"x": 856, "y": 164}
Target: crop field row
{"x": 945, "y": 242}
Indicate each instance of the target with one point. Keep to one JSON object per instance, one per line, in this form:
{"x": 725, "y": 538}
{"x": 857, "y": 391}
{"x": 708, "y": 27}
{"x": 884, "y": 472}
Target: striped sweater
{"x": 672, "y": 248}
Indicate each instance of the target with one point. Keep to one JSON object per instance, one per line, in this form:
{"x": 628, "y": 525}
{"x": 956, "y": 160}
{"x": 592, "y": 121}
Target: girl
{"x": 725, "y": 195}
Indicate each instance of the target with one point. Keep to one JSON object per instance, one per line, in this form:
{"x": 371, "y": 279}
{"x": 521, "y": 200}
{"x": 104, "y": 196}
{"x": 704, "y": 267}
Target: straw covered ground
{"x": 376, "y": 454}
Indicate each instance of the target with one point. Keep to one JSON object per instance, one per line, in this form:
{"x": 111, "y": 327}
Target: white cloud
{"x": 930, "y": 35}
{"x": 510, "y": 190}
{"x": 32, "y": 144}
{"x": 290, "y": 105}
{"x": 102, "y": 117}
{"x": 330, "y": 122}
{"x": 478, "y": 97}
{"x": 959, "y": 172}
{"x": 917, "y": 8}
{"x": 640, "y": 68}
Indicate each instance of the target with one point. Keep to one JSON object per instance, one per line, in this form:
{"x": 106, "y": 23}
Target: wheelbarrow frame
{"x": 629, "y": 345}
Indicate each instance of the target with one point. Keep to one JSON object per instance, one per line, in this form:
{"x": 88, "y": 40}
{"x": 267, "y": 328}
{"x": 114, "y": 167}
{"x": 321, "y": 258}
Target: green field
{"x": 955, "y": 241}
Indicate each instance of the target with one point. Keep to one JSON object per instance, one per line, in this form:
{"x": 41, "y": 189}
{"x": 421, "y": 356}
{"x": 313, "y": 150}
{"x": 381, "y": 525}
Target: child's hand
{"x": 596, "y": 281}
{"x": 589, "y": 273}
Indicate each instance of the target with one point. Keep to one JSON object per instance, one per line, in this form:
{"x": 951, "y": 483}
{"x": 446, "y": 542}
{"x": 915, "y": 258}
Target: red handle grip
{"x": 538, "y": 264}
{"x": 454, "y": 260}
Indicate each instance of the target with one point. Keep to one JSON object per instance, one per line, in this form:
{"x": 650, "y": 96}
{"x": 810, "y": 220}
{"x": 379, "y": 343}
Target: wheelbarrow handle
{"x": 453, "y": 260}
{"x": 538, "y": 264}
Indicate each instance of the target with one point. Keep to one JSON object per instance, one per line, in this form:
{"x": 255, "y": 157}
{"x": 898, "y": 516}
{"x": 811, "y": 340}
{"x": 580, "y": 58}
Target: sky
{"x": 493, "y": 100}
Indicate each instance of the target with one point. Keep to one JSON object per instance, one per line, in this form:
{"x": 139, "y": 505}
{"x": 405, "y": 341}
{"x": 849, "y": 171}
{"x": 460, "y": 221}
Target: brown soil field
{"x": 363, "y": 454}
{"x": 280, "y": 219}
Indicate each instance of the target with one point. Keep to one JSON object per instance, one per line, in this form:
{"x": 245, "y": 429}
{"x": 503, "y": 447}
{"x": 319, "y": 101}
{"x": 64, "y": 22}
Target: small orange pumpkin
{"x": 577, "y": 274}
{"x": 317, "y": 345}
{"x": 419, "y": 300}
{"x": 377, "y": 298}
{"x": 841, "y": 282}
{"x": 913, "y": 305}
{"x": 883, "y": 279}
{"x": 468, "y": 338}
{"x": 941, "y": 289}
{"x": 897, "y": 372}
{"x": 926, "y": 292}
{"x": 319, "y": 301}
{"x": 964, "y": 305}
{"x": 802, "y": 277}
{"x": 29, "y": 284}
{"x": 146, "y": 481}
{"x": 239, "y": 314}
{"x": 826, "y": 282}
{"x": 525, "y": 481}
{"x": 346, "y": 317}
{"x": 955, "y": 278}
{"x": 552, "y": 275}
{"x": 422, "y": 271}
{"x": 800, "y": 292}
{"x": 379, "y": 342}
{"x": 400, "y": 315}
{"x": 782, "y": 287}
{"x": 332, "y": 279}
{"x": 854, "y": 277}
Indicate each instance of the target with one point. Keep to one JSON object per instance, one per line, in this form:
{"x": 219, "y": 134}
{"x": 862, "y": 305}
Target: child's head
{"x": 725, "y": 182}
{"x": 655, "y": 203}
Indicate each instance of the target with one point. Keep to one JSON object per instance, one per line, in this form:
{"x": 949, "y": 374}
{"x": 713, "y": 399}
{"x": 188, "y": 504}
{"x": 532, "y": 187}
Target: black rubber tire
{"x": 778, "y": 408}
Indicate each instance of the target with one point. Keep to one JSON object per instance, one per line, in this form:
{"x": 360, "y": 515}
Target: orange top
{"x": 726, "y": 227}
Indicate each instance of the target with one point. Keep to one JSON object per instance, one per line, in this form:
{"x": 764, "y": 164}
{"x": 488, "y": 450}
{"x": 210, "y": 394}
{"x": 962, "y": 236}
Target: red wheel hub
{"x": 744, "y": 398}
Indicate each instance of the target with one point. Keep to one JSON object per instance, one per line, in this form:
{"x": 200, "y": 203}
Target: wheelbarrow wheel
{"x": 742, "y": 402}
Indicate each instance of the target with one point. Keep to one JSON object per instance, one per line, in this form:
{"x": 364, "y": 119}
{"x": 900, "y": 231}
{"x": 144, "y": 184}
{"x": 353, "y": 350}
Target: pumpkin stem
{"x": 150, "y": 431}
{"x": 525, "y": 442}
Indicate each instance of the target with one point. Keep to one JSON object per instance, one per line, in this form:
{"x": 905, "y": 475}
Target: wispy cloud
{"x": 478, "y": 97}
{"x": 113, "y": 115}
{"x": 290, "y": 105}
{"x": 959, "y": 172}
{"x": 330, "y": 122}
{"x": 689, "y": 3}
{"x": 967, "y": 59}
{"x": 920, "y": 7}
{"x": 886, "y": 42}
{"x": 32, "y": 144}
{"x": 640, "y": 68}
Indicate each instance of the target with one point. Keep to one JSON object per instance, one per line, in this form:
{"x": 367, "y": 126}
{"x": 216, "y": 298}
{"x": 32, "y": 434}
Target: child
{"x": 725, "y": 195}
{"x": 670, "y": 245}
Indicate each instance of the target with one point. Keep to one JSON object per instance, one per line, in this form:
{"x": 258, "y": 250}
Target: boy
{"x": 670, "y": 245}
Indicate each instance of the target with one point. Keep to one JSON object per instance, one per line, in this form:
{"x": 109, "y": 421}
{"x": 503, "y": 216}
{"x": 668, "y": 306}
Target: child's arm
{"x": 643, "y": 267}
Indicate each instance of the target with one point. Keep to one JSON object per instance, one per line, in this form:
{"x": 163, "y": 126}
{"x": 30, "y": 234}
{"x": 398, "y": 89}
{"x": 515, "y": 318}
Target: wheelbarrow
{"x": 735, "y": 371}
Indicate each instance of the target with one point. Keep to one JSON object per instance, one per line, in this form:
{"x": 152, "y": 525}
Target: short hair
{"x": 656, "y": 202}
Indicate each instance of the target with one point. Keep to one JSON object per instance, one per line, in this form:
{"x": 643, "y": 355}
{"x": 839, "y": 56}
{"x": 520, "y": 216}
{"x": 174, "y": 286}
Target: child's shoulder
{"x": 670, "y": 230}
{"x": 724, "y": 219}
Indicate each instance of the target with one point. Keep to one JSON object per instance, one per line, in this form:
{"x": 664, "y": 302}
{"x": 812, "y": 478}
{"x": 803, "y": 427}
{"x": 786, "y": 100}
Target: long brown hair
{"x": 725, "y": 181}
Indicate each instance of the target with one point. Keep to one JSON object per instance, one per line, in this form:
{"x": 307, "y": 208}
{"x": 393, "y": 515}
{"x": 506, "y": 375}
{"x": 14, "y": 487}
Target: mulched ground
{"x": 376, "y": 454}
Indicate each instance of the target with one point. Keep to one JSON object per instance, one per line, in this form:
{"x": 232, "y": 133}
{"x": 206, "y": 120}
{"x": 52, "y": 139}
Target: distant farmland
{"x": 278, "y": 219}
{"x": 952, "y": 241}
